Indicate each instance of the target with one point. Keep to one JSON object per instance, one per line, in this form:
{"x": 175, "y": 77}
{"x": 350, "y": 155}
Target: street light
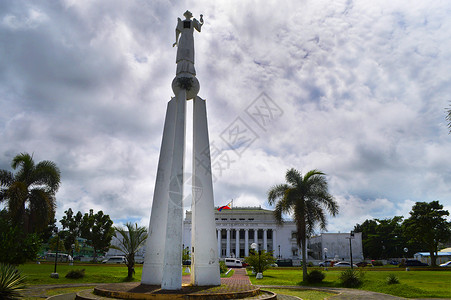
{"x": 54, "y": 274}
{"x": 279, "y": 252}
{"x": 325, "y": 259}
{"x": 259, "y": 275}
{"x": 351, "y": 236}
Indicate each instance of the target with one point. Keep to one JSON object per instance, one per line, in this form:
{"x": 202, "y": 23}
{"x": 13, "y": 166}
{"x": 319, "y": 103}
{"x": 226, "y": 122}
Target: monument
{"x": 163, "y": 261}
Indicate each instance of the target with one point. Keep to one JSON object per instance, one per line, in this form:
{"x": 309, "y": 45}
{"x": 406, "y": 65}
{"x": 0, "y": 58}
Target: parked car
{"x": 326, "y": 263}
{"x": 233, "y": 263}
{"x": 344, "y": 264}
{"x": 415, "y": 263}
{"x": 114, "y": 260}
{"x": 284, "y": 262}
{"x": 447, "y": 264}
{"x": 363, "y": 264}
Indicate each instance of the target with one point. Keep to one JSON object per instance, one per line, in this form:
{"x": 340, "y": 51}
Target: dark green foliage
{"x": 428, "y": 226}
{"x": 351, "y": 278}
{"x": 131, "y": 239}
{"x": 222, "y": 267}
{"x": 307, "y": 198}
{"x": 315, "y": 276}
{"x": 11, "y": 282}
{"x": 98, "y": 230}
{"x": 75, "y": 274}
{"x": 392, "y": 279}
{"x": 71, "y": 227}
{"x": 377, "y": 263}
{"x": 384, "y": 238}
{"x": 260, "y": 262}
{"x": 29, "y": 193}
{"x": 16, "y": 247}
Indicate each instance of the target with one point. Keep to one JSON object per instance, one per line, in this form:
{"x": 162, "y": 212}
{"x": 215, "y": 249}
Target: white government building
{"x": 239, "y": 227}
{"x": 258, "y": 225}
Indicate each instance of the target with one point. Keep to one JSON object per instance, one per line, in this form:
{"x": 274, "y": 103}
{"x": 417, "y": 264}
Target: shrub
{"x": 377, "y": 263}
{"x": 392, "y": 279}
{"x": 260, "y": 261}
{"x": 351, "y": 278}
{"x": 11, "y": 282}
{"x": 76, "y": 274}
{"x": 222, "y": 267}
{"x": 315, "y": 276}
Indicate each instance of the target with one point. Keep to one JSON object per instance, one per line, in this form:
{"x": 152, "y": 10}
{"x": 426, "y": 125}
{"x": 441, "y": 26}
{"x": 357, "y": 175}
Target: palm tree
{"x": 133, "y": 238}
{"x": 30, "y": 192}
{"x": 305, "y": 197}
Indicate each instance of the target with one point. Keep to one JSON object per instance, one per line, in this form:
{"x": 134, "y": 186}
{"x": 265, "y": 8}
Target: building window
{"x": 216, "y": 219}
{"x": 224, "y": 219}
{"x": 269, "y": 234}
{"x": 260, "y": 234}
{"x": 223, "y": 234}
{"x": 242, "y": 219}
{"x": 233, "y": 219}
{"x": 251, "y": 219}
{"x": 242, "y": 235}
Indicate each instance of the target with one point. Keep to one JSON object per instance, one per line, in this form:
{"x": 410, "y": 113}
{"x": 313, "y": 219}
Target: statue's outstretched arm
{"x": 177, "y": 32}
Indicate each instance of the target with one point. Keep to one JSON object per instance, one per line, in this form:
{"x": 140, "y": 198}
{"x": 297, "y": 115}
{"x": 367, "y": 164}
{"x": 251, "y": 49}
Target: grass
{"x": 413, "y": 284}
{"x": 303, "y": 294}
{"x": 94, "y": 273}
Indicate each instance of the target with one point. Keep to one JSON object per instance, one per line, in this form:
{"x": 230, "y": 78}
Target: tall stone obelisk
{"x": 163, "y": 261}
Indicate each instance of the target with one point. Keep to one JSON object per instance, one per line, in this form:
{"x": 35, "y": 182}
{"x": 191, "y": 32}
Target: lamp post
{"x": 55, "y": 274}
{"x": 72, "y": 260}
{"x": 279, "y": 251}
{"x": 259, "y": 273}
{"x": 351, "y": 236}
{"x": 325, "y": 259}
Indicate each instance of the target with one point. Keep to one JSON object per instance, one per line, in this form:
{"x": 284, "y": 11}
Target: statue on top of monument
{"x": 185, "y": 45}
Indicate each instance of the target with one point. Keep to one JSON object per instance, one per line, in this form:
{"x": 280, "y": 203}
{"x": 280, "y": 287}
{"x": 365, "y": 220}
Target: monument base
{"x": 136, "y": 290}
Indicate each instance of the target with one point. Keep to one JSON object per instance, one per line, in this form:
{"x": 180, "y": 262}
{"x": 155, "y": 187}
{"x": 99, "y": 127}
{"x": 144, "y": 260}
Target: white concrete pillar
{"x": 172, "y": 261}
{"x": 153, "y": 265}
{"x": 228, "y": 243}
{"x": 274, "y": 243}
{"x": 237, "y": 243}
{"x": 246, "y": 242}
{"x": 205, "y": 270}
{"x": 219, "y": 243}
{"x": 256, "y": 239}
{"x": 265, "y": 239}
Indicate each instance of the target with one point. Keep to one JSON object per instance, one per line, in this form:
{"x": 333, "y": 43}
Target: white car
{"x": 114, "y": 260}
{"x": 344, "y": 264}
{"x": 447, "y": 264}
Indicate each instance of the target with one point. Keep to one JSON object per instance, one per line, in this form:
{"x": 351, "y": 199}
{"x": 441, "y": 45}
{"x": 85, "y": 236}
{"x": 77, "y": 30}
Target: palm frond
{"x": 47, "y": 173}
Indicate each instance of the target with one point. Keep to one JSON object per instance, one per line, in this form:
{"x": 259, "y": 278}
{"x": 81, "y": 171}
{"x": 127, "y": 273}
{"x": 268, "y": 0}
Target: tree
{"x": 305, "y": 197}
{"x": 383, "y": 238}
{"x": 71, "y": 227}
{"x": 30, "y": 192}
{"x": 260, "y": 261}
{"x": 427, "y": 225}
{"x": 131, "y": 239}
{"x": 16, "y": 247}
{"x": 97, "y": 230}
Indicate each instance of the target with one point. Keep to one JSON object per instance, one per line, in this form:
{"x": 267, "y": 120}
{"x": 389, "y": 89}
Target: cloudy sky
{"x": 356, "y": 89}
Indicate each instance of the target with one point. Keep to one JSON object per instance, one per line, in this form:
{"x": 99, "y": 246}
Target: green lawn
{"x": 413, "y": 284}
{"x": 94, "y": 273}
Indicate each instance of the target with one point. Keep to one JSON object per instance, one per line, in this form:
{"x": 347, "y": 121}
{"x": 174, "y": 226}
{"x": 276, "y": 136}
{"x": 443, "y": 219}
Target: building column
{"x": 219, "y": 242}
{"x": 228, "y": 243}
{"x": 237, "y": 243}
{"x": 256, "y": 238}
{"x": 246, "y": 242}
{"x": 274, "y": 243}
{"x": 265, "y": 239}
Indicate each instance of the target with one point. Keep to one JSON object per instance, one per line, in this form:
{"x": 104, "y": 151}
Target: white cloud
{"x": 362, "y": 87}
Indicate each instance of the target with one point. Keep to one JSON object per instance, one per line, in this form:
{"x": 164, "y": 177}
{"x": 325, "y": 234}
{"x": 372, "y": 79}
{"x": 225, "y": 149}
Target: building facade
{"x": 239, "y": 227}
